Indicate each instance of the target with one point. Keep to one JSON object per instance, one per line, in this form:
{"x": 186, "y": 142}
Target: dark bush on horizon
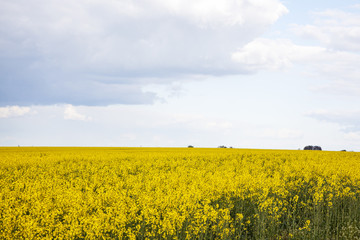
{"x": 309, "y": 147}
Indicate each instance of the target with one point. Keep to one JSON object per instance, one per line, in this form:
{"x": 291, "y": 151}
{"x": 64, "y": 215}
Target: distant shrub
{"x": 309, "y": 147}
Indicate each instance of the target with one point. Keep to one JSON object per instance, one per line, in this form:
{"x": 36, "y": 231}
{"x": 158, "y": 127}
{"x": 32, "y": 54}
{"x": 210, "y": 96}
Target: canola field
{"x": 178, "y": 193}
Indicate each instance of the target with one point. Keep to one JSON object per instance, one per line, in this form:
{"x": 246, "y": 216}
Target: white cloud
{"x": 335, "y": 58}
{"x": 339, "y": 32}
{"x": 13, "y": 111}
{"x": 71, "y": 113}
{"x": 340, "y": 68}
{"x": 336, "y": 29}
{"x": 274, "y": 54}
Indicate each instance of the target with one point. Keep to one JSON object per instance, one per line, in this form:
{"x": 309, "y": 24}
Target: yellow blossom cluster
{"x": 177, "y": 193}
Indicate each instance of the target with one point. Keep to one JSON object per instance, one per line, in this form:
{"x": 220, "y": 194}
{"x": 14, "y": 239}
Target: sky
{"x": 266, "y": 74}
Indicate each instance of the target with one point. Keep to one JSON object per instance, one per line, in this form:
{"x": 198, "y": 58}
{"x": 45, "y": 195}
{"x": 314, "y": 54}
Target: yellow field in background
{"x": 178, "y": 193}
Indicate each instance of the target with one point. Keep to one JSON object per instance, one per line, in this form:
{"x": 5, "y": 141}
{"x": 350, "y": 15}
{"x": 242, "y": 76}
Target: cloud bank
{"x": 104, "y": 52}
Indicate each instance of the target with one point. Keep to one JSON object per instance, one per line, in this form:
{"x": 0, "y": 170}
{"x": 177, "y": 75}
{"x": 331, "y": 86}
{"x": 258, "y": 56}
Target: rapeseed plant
{"x": 168, "y": 193}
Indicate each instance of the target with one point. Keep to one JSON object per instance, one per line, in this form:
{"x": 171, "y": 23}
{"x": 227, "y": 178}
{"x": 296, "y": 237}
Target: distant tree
{"x": 309, "y": 147}
{"x": 343, "y": 150}
{"x": 222, "y": 146}
{"x": 190, "y": 146}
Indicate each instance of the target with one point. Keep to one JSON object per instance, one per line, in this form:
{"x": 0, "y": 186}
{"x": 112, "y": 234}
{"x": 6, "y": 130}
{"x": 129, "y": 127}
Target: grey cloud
{"x": 23, "y": 85}
{"x": 104, "y": 52}
{"x": 77, "y": 92}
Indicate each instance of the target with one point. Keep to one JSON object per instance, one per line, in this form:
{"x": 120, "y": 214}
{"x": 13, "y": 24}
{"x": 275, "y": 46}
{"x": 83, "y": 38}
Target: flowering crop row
{"x": 174, "y": 193}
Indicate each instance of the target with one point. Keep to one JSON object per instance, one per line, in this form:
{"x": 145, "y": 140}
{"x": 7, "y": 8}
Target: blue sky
{"x": 243, "y": 73}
